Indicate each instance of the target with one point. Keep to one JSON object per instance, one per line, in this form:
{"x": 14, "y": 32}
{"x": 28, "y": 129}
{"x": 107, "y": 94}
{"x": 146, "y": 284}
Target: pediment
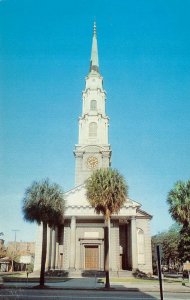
{"x": 77, "y": 197}
{"x": 143, "y": 214}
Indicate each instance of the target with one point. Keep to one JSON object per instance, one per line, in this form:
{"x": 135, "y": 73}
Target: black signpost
{"x": 159, "y": 271}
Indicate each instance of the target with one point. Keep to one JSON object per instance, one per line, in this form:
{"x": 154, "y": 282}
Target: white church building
{"x": 78, "y": 244}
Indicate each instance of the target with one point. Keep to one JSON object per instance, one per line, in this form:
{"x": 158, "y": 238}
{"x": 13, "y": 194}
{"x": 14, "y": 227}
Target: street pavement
{"x": 57, "y": 294}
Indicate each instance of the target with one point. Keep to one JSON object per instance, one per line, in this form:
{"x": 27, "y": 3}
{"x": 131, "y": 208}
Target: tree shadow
{"x": 117, "y": 290}
{"x": 138, "y": 294}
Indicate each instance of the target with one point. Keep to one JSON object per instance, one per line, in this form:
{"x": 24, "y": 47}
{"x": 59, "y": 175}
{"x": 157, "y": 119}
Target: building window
{"x": 92, "y": 129}
{"x": 140, "y": 243}
{"x": 93, "y": 105}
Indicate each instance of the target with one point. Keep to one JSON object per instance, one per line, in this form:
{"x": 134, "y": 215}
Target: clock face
{"x": 92, "y": 162}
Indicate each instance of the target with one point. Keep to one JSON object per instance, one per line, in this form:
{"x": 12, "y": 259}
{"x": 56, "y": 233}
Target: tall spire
{"x": 94, "y": 65}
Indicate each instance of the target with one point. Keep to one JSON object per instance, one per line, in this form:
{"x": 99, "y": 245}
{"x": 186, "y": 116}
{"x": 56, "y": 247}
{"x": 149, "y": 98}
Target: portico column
{"x": 134, "y": 243}
{"x": 53, "y": 249}
{"x": 48, "y": 259}
{"x": 56, "y": 248}
{"x": 73, "y": 243}
{"x": 110, "y": 242}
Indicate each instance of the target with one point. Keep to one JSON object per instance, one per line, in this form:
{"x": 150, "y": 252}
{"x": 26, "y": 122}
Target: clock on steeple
{"x": 92, "y": 162}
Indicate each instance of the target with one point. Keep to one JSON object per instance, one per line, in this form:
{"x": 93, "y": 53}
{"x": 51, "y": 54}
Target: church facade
{"x": 78, "y": 244}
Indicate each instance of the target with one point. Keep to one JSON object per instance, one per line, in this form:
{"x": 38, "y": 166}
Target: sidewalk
{"x": 92, "y": 283}
{"x": 153, "y": 286}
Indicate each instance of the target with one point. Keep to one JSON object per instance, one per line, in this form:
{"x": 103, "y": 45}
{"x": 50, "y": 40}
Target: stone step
{"x": 87, "y": 273}
{"x": 100, "y": 274}
{"x": 121, "y": 273}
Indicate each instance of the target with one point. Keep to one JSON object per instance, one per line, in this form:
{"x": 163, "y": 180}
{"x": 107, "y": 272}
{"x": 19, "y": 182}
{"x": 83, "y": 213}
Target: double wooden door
{"x": 91, "y": 257}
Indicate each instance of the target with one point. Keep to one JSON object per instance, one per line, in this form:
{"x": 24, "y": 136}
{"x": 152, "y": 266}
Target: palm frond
{"x": 106, "y": 191}
{"x": 43, "y": 202}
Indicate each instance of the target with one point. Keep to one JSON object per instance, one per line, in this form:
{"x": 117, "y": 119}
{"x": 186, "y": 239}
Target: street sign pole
{"x": 159, "y": 271}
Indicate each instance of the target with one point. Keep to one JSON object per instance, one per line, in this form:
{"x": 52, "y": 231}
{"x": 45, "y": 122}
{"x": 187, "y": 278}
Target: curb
{"x": 112, "y": 289}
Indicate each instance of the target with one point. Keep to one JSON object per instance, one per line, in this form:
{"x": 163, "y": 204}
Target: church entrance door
{"x": 91, "y": 257}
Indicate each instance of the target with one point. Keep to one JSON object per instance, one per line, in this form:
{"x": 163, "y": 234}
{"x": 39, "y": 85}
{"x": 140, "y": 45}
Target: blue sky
{"x": 144, "y": 54}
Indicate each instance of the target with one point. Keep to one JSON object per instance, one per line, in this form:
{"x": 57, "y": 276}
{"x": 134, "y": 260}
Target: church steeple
{"x": 93, "y": 150}
{"x": 94, "y": 64}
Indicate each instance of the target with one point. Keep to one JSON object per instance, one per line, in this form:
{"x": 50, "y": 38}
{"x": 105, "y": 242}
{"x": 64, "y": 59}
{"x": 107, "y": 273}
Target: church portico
{"x": 89, "y": 231}
{"x": 85, "y": 237}
{"x": 78, "y": 244}
{"x": 81, "y": 238}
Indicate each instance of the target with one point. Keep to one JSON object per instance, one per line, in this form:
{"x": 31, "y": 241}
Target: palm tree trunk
{"x": 44, "y": 250}
{"x": 106, "y": 251}
{"x": 12, "y": 265}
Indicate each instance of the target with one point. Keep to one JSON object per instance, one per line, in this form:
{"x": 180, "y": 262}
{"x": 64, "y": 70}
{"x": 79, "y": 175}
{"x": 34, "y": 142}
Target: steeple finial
{"x": 95, "y": 28}
{"x": 94, "y": 65}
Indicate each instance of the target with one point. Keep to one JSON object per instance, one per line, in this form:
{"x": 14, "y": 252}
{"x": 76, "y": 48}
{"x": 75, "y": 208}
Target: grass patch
{"x": 139, "y": 280}
{"x": 14, "y": 275}
{"x": 22, "y": 277}
{"x": 122, "y": 279}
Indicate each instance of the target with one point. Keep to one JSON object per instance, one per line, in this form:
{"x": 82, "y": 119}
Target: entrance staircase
{"x": 99, "y": 274}
{"x": 88, "y": 273}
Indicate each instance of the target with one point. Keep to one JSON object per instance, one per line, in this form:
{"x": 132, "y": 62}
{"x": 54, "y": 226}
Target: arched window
{"x": 92, "y": 129}
{"x": 93, "y": 105}
{"x": 140, "y": 243}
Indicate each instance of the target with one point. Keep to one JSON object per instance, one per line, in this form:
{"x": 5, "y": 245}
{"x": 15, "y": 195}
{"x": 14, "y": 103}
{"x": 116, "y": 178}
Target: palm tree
{"x": 179, "y": 202}
{"x": 106, "y": 192}
{"x": 43, "y": 202}
{"x": 179, "y": 207}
